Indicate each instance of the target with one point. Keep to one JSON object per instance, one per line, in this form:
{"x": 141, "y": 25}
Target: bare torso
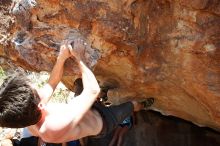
{"x": 90, "y": 124}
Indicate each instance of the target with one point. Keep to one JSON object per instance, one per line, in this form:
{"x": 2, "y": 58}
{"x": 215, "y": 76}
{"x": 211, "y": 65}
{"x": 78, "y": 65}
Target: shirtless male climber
{"x": 23, "y": 105}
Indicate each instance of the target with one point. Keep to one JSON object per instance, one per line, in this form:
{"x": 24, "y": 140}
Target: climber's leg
{"x": 115, "y": 115}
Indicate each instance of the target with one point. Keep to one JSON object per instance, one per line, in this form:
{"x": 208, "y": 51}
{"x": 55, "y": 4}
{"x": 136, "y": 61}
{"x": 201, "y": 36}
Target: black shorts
{"x": 112, "y": 116}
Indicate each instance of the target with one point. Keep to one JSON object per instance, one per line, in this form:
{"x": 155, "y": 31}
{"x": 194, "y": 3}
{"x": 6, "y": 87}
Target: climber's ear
{"x": 41, "y": 106}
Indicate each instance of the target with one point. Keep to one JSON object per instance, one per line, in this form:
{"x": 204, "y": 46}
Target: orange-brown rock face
{"x": 169, "y": 50}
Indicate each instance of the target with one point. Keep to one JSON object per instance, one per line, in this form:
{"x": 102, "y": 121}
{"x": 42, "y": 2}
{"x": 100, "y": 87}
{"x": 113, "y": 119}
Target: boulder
{"x": 168, "y": 50}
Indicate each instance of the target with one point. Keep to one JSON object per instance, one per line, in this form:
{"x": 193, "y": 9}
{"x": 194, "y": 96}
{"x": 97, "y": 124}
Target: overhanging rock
{"x": 169, "y": 50}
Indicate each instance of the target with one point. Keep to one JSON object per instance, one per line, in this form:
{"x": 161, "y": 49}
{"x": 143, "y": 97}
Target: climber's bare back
{"x": 90, "y": 124}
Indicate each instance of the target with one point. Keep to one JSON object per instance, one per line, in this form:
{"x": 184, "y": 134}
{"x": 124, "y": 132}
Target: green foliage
{"x": 2, "y": 75}
{"x": 60, "y": 95}
{"x": 41, "y": 84}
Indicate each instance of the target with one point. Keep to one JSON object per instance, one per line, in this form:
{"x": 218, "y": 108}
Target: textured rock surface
{"x": 165, "y": 49}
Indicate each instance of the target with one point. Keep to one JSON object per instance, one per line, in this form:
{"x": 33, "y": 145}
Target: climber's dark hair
{"x": 18, "y": 102}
